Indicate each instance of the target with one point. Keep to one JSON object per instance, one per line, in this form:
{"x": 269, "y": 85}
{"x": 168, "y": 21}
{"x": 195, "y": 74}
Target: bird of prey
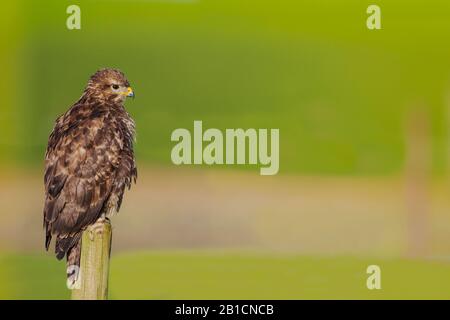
{"x": 88, "y": 163}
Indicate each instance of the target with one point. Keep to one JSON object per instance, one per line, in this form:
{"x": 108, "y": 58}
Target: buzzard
{"x": 88, "y": 163}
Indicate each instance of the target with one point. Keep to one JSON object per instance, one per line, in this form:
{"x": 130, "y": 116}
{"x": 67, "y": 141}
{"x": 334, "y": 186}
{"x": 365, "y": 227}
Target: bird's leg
{"x": 97, "y": 227}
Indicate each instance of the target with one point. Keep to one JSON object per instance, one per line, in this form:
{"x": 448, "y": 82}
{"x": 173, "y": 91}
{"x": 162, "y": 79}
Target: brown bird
{"x": 88, "y": 163}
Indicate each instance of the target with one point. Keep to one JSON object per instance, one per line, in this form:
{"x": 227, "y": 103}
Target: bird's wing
{"x": 80, "y": 165}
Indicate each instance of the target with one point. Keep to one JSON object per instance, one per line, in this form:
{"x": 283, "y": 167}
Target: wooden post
{"x": 92, "y": 283}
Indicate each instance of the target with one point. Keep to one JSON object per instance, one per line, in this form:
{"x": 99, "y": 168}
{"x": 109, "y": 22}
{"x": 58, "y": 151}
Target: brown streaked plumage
{"x": 88, "y": 163}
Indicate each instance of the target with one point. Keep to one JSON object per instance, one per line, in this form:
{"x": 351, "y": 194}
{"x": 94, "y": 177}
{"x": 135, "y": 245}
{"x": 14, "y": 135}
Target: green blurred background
{"x": 364, "y": 145}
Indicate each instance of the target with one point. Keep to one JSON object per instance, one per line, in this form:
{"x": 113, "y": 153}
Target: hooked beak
{"x": 130, "y": 92}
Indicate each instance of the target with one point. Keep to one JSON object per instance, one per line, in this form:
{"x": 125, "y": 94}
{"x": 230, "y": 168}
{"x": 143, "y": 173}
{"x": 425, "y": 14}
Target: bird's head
{"x": 109, "y": 85}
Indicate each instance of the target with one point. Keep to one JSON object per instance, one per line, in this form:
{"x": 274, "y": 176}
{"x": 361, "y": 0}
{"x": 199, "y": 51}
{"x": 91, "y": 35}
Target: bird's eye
{"x": 115, "y": 86}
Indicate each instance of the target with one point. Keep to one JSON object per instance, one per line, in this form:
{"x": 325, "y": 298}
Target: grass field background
{"x": 184, "y": 235}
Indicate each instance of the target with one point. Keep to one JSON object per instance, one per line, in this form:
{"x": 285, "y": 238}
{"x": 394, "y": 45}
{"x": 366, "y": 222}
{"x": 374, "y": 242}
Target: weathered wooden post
{"x": 92, "y": 283}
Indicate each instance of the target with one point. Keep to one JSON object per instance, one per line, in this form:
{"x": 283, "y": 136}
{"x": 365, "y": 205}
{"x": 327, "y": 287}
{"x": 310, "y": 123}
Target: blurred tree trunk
{"x": 418, "y": 161}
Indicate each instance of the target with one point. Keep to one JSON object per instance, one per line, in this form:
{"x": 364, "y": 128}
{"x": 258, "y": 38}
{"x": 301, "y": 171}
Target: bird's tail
{"x": 73, "y": 265}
